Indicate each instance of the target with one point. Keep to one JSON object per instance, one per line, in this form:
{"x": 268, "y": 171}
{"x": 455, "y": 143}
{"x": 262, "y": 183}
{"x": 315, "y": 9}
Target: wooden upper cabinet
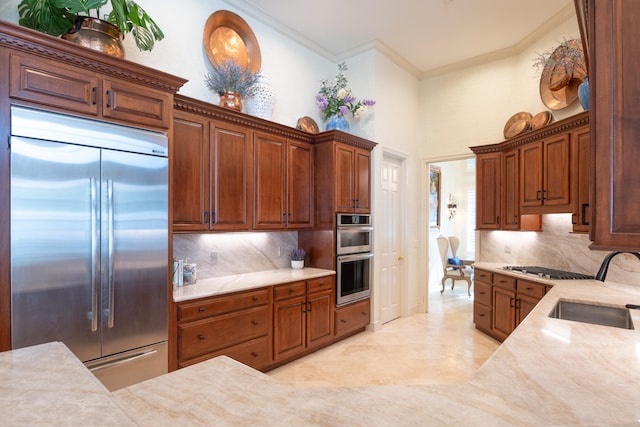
{"x": 615, "y": 126}
{"x": 511, "y": 201}
{"x": 270, "y": 181}
{"x": 488, "y": 190}
{"x": 300, "y": 188}
{"x": 72, "y": 89}
{"x": 581, "y": 174}
{"x": 544, "y": 176}
{"x": 353, "y": 179}
{"x": 231, "y": 177}
{"x": 211, "y": 174}
{"x": 283, "y": 183}
{"x": 190, "y": 172}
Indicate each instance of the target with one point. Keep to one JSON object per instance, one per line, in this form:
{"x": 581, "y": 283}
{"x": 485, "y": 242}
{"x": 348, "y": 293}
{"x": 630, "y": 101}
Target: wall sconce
{"x": 452, "y": 206}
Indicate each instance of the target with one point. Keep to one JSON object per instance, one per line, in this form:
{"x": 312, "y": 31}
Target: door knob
{"x": 400, "y": 258}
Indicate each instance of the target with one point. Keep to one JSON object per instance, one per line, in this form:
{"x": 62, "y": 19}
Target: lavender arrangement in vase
{"x": 297, "y": 258}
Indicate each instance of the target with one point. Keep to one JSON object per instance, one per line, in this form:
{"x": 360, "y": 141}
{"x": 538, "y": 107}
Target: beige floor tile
{"x": 439, "y": 347}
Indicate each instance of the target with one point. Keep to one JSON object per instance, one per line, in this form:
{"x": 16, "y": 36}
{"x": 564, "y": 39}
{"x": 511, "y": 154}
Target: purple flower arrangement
{"x": 297, "y": 254}
{"x": 336, "y": 98}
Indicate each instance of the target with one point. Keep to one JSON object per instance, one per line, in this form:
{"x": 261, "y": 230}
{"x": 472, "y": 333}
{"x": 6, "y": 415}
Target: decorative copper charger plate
{"x": 552, "y": 74}
{"x": 307, "y": 124}
{"x": 541, "y": 119}
{"x": 517, "y": 124}
{"x": 227, "y": 36}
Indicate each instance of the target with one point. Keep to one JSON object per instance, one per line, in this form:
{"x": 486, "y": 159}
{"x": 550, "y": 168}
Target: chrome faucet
{"x": 602, "y": 273}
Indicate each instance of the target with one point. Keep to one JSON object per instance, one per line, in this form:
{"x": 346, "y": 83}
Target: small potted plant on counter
{"x": 297, "y": 258}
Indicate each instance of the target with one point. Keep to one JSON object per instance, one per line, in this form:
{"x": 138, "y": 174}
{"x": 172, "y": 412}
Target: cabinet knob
{"x": 254, "y": 322}
{"x": 254, "y": 354}
{"x": 255, "y": 299}
{"x": 364, "y": 313}
{"x": 201, "y": 309}
{"x": 201, "y": 337}
{"x": 343, "y": 321}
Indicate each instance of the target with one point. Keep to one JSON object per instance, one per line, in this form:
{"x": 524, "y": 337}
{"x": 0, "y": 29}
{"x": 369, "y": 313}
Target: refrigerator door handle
{"x": 122, "y": 361}
{"x": 95, "y": 278}
{"x": 111, "y": 237}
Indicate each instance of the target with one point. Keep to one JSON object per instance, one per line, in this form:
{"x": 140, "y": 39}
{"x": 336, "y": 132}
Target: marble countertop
{"x": 547, "y": 372}
{"x": 242, "y": 282}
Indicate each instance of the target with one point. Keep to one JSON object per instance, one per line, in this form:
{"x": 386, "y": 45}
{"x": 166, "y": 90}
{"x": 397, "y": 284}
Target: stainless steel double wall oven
{"x": 354, "y": 241}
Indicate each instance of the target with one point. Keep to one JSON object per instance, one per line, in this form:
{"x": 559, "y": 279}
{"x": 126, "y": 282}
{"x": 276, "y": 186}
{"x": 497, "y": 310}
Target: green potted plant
{"x": 297, "y": 258}
{"x": 59, "y": 17}
{"x": 231, "y": 81}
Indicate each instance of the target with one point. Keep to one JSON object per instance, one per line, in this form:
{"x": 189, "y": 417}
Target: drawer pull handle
{"x": 254, "y": 322}
{"x": 343, "y": 321}
{"x": 364, "y": 313}
{"x": 254, "y": 354}
{"x": 290, "y": 291}
{"x": 255, "y": 299}
{"x": 481, "y": 315}
{"x": 482, "y": 292}
{"x": 201, "y": 309}
{"x": 529, "y": 288}
{"x": 201, "y": 337}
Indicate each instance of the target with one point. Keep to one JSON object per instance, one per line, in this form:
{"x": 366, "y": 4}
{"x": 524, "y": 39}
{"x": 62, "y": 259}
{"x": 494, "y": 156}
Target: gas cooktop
{"x": 547, "y": 273}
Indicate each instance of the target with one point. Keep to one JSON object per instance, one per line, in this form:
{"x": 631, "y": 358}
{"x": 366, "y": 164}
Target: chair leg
{"x": 443, "y": 279}
{"x": 469, "y": 287}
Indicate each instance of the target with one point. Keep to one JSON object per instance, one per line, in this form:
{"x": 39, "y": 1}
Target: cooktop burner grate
{"x": 548, "y": 273}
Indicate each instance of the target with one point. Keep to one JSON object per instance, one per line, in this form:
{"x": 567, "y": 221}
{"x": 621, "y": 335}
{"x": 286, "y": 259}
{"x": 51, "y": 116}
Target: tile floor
{"x": 439, "y": 347}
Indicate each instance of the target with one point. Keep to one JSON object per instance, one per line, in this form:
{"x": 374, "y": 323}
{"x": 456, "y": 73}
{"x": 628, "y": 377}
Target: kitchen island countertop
{"x": 547, "y": 372}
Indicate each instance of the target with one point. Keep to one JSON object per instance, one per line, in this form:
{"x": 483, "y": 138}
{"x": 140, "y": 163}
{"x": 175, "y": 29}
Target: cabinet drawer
{"x": 482, "y": 276}
{"x": 136, "y": 104}
{"x": 482, "y": 293}
{"x": 288, "y": 290}
{"x": 254, "y": 353}
{"x": 207, "y": 307}
{"x": 531, "y": 288}
{"x": 209, "y": 335}
{"x": 352, "y": 317}
{"x": 503, "y": 281}
{"x": 320, "y": 284}
{"x": 482, "y": 316}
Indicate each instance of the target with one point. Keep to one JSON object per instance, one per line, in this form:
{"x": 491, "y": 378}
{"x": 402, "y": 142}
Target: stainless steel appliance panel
{"x": 354, "y": 275}
{"x": 124, "y": 369}
{"x": 53, "y": 244}
{"x": 134, "y": 250}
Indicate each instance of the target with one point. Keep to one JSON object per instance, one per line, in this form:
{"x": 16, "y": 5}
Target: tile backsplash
{"x": 235, "y": 253}
{"x": 555, "y": 247}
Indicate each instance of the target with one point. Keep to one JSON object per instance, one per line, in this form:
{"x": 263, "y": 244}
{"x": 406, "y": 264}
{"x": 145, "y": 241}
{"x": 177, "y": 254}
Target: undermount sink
{"x": 596, "y": 314}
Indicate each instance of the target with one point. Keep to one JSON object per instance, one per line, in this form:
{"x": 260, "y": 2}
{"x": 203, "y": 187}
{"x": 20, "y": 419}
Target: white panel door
{"x": 391, "y": 271}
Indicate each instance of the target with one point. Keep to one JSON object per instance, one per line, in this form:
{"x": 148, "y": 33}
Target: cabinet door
{"x": 289, "y": 327}
{"x": 615, "y": 125}
{"x": 511, "y": 201}
{"x": 581, "y": 173}
{"x": 136, "y": 104}
{"x": 488, "y": 190}
{"x": 231, "y": 175}
{"x": 319, "y": 318}
{"x": 270, "y": 190}
{"x": 300, "y": 193}
{"x": 504, "y": 312}
{"x": 345, "y": 161}
{"x": 525, "y": 305}
{"x": 556, "y": 187}
{"x": 189, "y": 160}
{"x": 362, "y": 181}
{"x": 531, "y": 174}
{"x": 54, "y": 84}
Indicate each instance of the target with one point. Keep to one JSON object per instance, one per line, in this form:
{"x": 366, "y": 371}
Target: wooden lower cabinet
{"x": 237, "y": 325}
{"x": 266, "y": 327}
{"x": 502, "y": 302}
{"x": 303, "y": 316}
{"x": 353, "y": 317}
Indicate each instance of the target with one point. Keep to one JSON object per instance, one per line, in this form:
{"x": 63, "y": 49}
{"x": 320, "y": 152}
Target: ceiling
{"x": 424, "y": 35}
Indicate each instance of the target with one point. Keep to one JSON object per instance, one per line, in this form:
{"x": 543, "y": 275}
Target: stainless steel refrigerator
{"x": 89, "y": 242}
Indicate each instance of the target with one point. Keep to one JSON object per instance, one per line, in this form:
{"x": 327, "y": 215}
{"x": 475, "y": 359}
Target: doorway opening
{"x": 451, "y": 206}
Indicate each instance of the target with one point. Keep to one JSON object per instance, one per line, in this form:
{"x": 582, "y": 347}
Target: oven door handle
{"x": 355, "y": 228}
{"x": 355, "y": 257}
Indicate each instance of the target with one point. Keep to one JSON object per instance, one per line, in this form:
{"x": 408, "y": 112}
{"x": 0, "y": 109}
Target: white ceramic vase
{"x": 263, "y": 99}
{"x": 296, "y": 265}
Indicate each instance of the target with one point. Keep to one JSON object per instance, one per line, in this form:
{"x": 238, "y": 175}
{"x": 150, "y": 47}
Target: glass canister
{"x": 189, "y": 274}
